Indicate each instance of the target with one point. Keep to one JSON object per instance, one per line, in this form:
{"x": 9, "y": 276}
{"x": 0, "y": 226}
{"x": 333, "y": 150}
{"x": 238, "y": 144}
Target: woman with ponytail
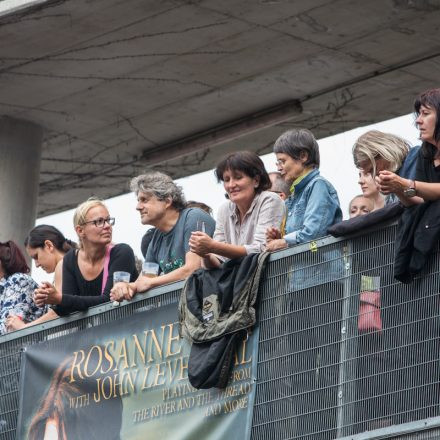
{"x": 16, "y": 287}
{"x": 46, "y": 245}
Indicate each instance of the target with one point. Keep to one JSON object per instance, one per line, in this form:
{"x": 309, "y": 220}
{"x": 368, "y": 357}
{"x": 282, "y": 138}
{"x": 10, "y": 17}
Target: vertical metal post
{"x": 346, "y": 335}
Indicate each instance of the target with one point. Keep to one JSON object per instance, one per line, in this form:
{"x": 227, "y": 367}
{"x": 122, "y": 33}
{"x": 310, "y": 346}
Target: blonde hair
{"x": 375, "y": 144}
{"x": 361, "y": 196}
{"x": 79, "y": 216}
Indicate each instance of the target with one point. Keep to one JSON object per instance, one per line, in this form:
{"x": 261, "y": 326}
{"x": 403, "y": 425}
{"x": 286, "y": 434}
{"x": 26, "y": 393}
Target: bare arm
{"x": 143, "y": 283}
{"x": 192, "y": 263}
{"x": 58, "y": 277}
{"x": 210, "y": 261}
{"x": 15, "y": 323}
{"x": 428, "y": 191}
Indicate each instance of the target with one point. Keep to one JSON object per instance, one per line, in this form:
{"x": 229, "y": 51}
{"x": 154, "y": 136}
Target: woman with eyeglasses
{"x": 313, "y": 203}
{"x": 88, "y": 271}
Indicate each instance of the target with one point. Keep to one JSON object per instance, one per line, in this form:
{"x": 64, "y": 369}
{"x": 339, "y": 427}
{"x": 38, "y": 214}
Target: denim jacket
{"x": 311, "y": 209}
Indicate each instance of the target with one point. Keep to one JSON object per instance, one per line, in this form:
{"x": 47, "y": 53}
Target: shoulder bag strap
{"x": 106, "y": 263}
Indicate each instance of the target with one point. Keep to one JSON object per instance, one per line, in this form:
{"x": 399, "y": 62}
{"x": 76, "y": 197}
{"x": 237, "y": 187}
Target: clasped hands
{"x": 47, "y": 294}
{"x": 274, "y": 241}
{"x": 201, "y": 243}
{"x": 389, "y": 182}
{"x": 121, "y": 291}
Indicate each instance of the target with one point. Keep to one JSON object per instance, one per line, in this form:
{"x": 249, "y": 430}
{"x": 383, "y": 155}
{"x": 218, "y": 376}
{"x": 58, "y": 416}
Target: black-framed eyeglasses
{"x": 100, "y": 222}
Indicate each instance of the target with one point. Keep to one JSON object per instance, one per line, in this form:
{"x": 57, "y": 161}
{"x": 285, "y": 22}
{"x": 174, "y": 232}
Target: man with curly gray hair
{"x": 161, "y": 204}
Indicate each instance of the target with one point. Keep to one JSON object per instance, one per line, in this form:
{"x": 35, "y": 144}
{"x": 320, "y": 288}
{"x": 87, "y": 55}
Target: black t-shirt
{"x": 79, "y": 293}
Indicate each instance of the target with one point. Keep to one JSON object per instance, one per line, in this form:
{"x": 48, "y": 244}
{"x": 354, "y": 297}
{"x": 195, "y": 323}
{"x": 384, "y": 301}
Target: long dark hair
{"x": 38, "y": 235}
{"x": 94, "y": 421}
{"x": 431, "y": 99}
{"x": 12, "y": 259}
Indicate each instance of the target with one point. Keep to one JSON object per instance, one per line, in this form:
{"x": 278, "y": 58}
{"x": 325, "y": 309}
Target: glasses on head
{"x": 100, "y": 222}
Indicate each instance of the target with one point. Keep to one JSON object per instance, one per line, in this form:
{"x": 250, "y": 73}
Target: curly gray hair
{"x": 161, "y": 186}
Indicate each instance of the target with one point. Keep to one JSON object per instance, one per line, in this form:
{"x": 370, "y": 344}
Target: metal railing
{"x": 323, "y": 371}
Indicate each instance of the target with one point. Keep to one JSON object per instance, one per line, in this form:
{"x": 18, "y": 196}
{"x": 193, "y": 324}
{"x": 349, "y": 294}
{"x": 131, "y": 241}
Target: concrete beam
{"x": 20, "y": 153}
{"x": 224, "y": 133}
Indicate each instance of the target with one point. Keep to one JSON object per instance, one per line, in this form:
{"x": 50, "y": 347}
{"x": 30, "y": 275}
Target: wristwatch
{"x": 411, "y": 190}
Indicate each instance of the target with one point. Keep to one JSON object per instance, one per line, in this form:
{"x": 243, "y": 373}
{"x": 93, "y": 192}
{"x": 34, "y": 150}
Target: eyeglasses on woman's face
{"x": 100, "y": 222}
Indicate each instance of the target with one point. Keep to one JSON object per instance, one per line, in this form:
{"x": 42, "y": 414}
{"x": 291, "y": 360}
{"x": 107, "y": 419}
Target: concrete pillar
{"x": 20, "y": 159}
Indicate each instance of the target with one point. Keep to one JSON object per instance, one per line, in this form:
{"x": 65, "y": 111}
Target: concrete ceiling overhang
{"x": 122, "y": 86}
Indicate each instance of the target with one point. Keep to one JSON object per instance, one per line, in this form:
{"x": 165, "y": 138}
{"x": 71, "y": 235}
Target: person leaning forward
{"x": 161, "y": 204}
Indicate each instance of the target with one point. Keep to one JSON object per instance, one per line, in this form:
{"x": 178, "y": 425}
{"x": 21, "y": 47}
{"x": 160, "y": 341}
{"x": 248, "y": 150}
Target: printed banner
{"x": 128, "y": 380}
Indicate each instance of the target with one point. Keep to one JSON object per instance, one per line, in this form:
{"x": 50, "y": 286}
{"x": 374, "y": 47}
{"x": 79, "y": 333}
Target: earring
{"x": 256, "y": 186}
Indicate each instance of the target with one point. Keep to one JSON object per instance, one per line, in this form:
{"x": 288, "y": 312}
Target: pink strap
{"x": 106, "y": 262}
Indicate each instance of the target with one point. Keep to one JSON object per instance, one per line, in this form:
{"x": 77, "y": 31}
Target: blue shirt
{"x": 311, "y": 209}
{"x": 408, "y": 168}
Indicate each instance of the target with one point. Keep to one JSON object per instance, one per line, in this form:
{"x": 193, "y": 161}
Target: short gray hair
{"x": 296, "y": 141}
{"x": 279, "y": 184}
{"x": 161, "y": 186}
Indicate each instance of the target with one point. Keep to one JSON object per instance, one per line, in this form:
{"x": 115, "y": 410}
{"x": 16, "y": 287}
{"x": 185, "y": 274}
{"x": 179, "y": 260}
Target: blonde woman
{"x": 370, "y": 190}
{"x": 376, "y": 152}
{"x": 84, "y": 283}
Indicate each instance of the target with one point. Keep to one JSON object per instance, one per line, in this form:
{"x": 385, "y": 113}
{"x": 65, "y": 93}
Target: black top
{"x": 419, "y": 228}
{"x": 80, "y": 294}
{"x": 426, "y": 171}
{"x": 146, "y": 239}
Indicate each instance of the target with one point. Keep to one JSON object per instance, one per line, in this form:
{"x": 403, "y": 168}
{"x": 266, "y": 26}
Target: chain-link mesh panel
{"x": 302, "y": 300}
{"x": 344, "y": 349}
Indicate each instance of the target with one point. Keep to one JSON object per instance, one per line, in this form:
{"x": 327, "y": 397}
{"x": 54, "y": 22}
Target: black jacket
{"x": 216, "y": 308}
{"x": 357, "y": 224}
{"x": 417, "y": 234}
{"x": 419, "y": 226}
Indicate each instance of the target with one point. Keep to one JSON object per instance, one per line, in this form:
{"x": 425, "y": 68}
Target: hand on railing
{"x": 272, "y": 234}
{"x": 274, "y": 242}
{"x": 121, "y": 291}
{"x": 14, "y": 322}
